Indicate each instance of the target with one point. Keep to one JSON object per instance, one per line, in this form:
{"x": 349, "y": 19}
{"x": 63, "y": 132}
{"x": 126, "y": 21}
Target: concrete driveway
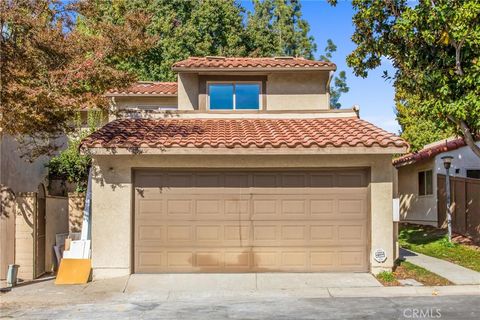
{"x": 236, "y": 296}
{"x": 247, "y": 281}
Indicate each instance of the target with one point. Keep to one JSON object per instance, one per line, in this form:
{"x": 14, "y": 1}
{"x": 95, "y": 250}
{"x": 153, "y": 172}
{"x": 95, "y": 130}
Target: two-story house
{"x": 240, "y": 166}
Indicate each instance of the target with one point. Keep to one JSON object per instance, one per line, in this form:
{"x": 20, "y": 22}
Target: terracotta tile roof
{"x": 148, "y": 88}
{"x": 241, "y": 133}
{"x": 252, "y": 63}
{"x": 429, "y": 152}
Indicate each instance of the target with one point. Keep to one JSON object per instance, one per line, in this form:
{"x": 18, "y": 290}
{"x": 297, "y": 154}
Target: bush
{"x": 71, "y": 166}
{"x": 386, "y": 276}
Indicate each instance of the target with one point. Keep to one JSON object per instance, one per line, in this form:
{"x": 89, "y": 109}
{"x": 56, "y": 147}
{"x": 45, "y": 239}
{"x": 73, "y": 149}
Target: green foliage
{"x": 434, "y": 242}
{"x": 276, "y": 28}
{"x": 386, "y": 276}
{"x": 419, "y": 130}
{"x": 434, "y": 47}
{"x": 51, "y": 66}
{"x": 339, "y": 82}
{"x": 211, "y": 27}
{"x": 70, "y": 165}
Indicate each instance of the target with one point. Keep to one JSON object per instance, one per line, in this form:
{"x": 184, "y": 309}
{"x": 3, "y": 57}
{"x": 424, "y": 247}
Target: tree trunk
{"x": 467, "y": 135}
{"x": 468, "y": 138}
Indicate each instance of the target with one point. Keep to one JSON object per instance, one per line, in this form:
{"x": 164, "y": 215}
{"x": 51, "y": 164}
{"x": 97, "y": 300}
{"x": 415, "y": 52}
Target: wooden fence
{"x": 465, "y": 199}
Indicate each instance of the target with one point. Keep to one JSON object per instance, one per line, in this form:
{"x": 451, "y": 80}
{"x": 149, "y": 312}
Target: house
{"x": 240, "y": 166}
{"x": 418, "y": 179}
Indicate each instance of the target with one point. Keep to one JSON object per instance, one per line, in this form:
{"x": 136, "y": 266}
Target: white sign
{"x": 380, "y": 255}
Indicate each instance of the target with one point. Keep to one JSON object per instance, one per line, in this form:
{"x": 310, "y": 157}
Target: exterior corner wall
{"x": 56, "y": 214}
{"x": 414, "y": 208}
{"x": 111, "y": 218}
{"x": 381, "y": 212}
{"x": 187, "y": 91}
{"x": 297, "y": 91}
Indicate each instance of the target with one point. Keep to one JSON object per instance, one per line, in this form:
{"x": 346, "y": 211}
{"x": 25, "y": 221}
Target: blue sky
{"x": 373, "y": 94}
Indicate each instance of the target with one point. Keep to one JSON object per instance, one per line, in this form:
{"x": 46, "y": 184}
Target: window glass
{"x": 425, "y": 183}
{"x": 221, "y": 96}
{"x": 428, "y": 182}
{"x": 247, "y": 96}
{"x": 473, "y": 173}
{"x": 421, "y": 183}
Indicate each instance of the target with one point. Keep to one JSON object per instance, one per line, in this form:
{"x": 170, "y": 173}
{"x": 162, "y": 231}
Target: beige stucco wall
{"x": 17, "y": 173}
{"x": 297, "y": 91}
{"x": 289, "y": 91}
{"x": 112, "y": 198}
{"x": 415, "y": 208}
{"x": 187, "y": 91}
{"x": 57, "y": 222}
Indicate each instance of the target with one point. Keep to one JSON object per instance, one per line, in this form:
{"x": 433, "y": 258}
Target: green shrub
{"x": 386, "y": 276}
{"x": 70, "y": 165}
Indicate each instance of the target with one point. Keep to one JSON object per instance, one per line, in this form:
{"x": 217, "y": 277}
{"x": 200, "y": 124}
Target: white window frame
{"x": 234, "y": 83}
{"x": 425, "y": 182}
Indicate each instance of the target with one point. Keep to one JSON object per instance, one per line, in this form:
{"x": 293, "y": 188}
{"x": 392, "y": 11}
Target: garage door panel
{"x": 250, "y": 221}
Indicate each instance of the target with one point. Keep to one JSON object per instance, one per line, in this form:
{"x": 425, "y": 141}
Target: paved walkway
{"x": 455, "y": 273}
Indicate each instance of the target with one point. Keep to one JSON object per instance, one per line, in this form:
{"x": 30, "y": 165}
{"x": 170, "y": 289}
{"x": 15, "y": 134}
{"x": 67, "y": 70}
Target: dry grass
{"x": 407, "y": 270}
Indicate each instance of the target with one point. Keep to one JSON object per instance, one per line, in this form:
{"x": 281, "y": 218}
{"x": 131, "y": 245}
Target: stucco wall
{"x": 297, "y": 91}
{"x": 187, "y": 91}
{"x": 112, "y": 198}
{"x": 463, "y": 159}
{"x": 415, "y": 208}
{"x": 283, "y": 91}
{"x": 16, "y": 172}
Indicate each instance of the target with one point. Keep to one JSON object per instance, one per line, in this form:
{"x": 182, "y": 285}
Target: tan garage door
{"x": 250, "y": 221}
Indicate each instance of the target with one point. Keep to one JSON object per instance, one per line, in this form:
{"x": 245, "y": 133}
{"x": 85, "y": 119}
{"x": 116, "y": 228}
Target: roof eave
{"x": 193, "y": 69}
{"x": 140, "y": 95}
{"x": 112, "y": 151}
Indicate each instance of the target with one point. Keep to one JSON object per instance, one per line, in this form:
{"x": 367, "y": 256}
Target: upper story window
{"x": 425, "y": 183}
{"x": 234, "y": 96}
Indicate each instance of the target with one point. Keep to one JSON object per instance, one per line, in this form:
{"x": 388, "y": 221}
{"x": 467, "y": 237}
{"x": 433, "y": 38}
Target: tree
{"x": 182, "y": 29}
{"x": 434, "y": 46}
{"x": 51, "y": 66}
{"x": 418, "y": 130}
{"x": 276, "y": 28}
{"x": 339, "y": 82}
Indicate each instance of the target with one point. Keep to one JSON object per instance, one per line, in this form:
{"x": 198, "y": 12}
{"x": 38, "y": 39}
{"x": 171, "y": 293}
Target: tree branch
{"x": 467, "y": 135}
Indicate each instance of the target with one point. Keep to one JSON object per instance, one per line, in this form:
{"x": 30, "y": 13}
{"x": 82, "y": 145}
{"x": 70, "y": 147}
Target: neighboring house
{"x": 418, "y": 178}
{"x": 21, "y": 179}
{"x": 240, "y": 166}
